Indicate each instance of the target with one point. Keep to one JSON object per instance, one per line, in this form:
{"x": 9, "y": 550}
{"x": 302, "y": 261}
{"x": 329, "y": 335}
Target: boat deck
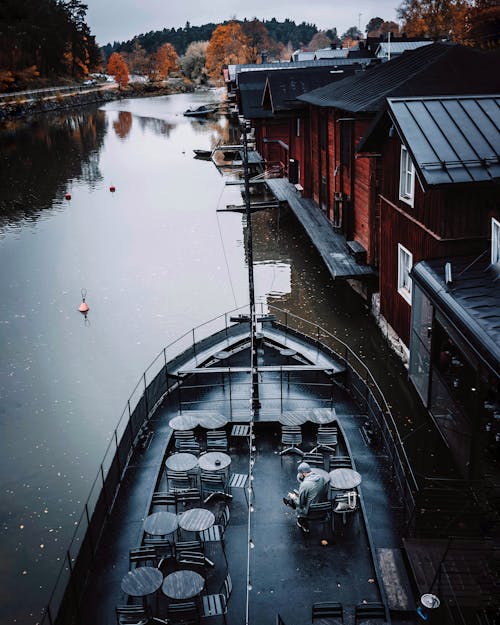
{"x": 289, "y": 571}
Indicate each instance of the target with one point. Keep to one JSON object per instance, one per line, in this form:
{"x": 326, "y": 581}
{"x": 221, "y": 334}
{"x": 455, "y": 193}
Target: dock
{"x": 331, "y": 246}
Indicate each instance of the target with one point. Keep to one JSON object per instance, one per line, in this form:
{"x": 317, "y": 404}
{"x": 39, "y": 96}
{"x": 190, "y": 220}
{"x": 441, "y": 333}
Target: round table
{"x": 181, "y": 462}
{"x": 196, "y": 520}
{"x": 344, "y": 479}
{"x": 322, "y": 415}
{"x": 161, "y": 523}
{"x": 183, "y": 422}
{"x": 142, "y": 581}
{"x": 183, "y": 584}
{"x": 212, "y": 421}
{"x": 214, "y": 461}
{"x": 293, "y": 417}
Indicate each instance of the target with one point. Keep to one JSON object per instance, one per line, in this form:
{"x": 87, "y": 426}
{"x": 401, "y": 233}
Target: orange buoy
{"x": 112, "y": 188}
{"x": 67, "y": 196}
{"x": 84, "y": 307}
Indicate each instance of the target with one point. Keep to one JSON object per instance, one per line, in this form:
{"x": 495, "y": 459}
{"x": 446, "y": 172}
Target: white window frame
{"x": 406, "y": 177}
{"x": 495, "y": 241}
{"x": 405, "y": 263}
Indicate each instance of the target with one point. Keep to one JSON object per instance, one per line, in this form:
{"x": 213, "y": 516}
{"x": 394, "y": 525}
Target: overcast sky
{"x": 120, "y": 20}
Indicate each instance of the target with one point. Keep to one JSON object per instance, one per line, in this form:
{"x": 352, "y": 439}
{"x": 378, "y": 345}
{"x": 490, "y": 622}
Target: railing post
{"x": 118, "y": 456}
{"x": 166, "y": 367}
{"x": 145, "y": 394}
{"x": 90, "y": 533}
{"x": 194, "y": 345}
{"x": 230, "y": 394}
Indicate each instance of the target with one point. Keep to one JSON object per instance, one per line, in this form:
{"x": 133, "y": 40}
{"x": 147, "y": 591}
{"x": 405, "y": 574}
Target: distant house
{"x": 387, "y": 50}
{"x": 440, "y": 255}
{"x": 345, "y": 184}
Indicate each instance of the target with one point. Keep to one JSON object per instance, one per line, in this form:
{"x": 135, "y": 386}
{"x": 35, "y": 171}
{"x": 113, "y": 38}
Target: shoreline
{"x": 15, "y": 110}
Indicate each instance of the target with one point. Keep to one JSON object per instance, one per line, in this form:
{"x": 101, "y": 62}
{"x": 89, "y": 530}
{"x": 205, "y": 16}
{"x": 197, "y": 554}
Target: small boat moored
{"x": 201, "y": 111}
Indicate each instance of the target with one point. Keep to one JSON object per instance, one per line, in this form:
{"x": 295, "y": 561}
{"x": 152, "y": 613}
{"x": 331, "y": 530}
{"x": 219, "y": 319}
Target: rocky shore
{"x": 21, "y": 107}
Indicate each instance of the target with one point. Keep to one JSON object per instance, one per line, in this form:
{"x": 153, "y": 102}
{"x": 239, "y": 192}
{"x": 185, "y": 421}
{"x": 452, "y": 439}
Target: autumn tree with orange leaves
{"x": 163, "y": 62}
{"x": 435, "y": 18}
{"x": 118, "y": 69}
{"x": 228, "y": 45}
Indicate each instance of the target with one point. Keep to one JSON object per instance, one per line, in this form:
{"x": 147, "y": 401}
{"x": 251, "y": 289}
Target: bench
{"x": 358, "y": 251}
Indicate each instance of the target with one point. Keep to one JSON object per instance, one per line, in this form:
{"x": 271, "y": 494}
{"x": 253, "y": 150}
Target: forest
{"x": 281, "y": 32}
{"x": 43, "y": 39}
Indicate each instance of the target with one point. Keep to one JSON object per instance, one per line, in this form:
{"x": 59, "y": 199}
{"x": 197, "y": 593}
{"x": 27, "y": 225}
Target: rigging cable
{"x": 224, "y": 249}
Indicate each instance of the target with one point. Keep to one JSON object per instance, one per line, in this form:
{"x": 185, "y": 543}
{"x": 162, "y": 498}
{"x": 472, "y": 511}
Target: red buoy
{"x": 112, "y": 188}
{"x": 84, "y": 307}
{"x": 67, "y": 196}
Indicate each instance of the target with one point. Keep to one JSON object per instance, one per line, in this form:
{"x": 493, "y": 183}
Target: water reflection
{"x": 123, "y": 124}
{"x": 38, "y": 157}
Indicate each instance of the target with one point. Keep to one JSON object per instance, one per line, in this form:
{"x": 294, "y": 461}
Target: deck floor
{"x": 289, "y": 571}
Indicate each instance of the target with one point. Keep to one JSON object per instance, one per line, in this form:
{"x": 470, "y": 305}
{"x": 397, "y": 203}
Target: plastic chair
{"x": 132, "y": 615}
{"x": 213, "y": 484}
{"x": 185, "y": 441}
{"x": 320, "y": 513}
{"x": 369, "y": 613}
{"x": 164, "y": 499}
{"x": 238, "y": 480}
{"x": 216, "y": 605}
{"x": 215, "y": 534}
{"x": 142, "y": 556}
{"x": 187, "y": 497}
{"x": 314, "y": 459}
{"x": 339, "y": 462}
{"x": 328, "y": 613}
{"x": 291, "y": 436}
{"x": 185, "y": 613}
{"x": 326, "y": 439}
{"x": 217, "y": 440}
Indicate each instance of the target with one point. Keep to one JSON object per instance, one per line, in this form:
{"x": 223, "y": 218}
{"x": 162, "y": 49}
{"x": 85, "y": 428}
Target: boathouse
{"x": 440, "y": 257}
{"x": 346, "y": 186}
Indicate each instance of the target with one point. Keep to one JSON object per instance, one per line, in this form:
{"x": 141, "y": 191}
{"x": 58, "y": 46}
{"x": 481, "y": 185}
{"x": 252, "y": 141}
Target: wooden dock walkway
{"x": 331, "y": 246}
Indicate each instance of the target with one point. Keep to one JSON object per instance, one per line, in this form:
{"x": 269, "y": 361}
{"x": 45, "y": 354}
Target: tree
{"x": 350, "y": 36}
{"x": 193, "y": 62}
{"x": 258, "y": 40}
{"x": 435, "y": 18}
{"x": 163, "y": 62}
{"x": 118, "y": 69}
{"x": 228, "y": 45}
{"x": 483, "y": 24}
{"x": 373, "y": 25}
{"x": 137, "y": 60}
{"x": 320, "y": 40}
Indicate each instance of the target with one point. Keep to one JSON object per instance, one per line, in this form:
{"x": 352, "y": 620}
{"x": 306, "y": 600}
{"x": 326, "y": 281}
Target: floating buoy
{"x": 84, "y": 307}
{"x": 67, "y": 196}
{"x": 112, "y": 188}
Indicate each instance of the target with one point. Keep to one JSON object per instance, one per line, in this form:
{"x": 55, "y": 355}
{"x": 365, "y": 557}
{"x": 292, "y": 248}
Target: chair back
{"x": 227, "y": 587}
{"x": 186, "y": 612}
{"x": 131, "y": 615}
{"x": 327, "y": 435}
{"x": 291, "y": 435}
{"x": 178, "y": 479}
{"x": 187, "y": 496}
{"x": 319, "y": 511}
{"x": 226, "y": 514}
{"x": 164, "y": 498}
{"x": 347, "y": 502}
{"x": 217, "y": 440}
{"x": 328, "y": 609}
{"x": 314, "y": 459}
{"x": 142, "y": 556}
{"x": 369, "y": 611}
{"x": 339, "y": 462}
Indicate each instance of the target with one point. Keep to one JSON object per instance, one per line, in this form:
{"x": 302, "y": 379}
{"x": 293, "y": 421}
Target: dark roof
{"x": 437, "y": 69}
{"x": 251, "y": 83}
{"x": 471, "y": 302}
{"x": 235, "y": 71}
{"x": 283, "y": 88}
{"x": 451, "y": 139}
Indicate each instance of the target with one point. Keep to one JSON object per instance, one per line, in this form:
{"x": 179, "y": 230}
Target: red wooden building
{"x": 344, "y": 185}
{"x": 440, "y": 203}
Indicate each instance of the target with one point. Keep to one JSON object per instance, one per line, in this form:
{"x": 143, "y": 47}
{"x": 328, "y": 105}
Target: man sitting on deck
{"x": 313, "y": 489}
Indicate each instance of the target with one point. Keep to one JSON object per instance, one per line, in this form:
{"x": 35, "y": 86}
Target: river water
{"x": 156, "y": 259}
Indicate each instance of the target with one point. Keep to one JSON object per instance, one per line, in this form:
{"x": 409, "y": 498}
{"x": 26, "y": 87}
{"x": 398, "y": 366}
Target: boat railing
{"x": 160, "y": 378}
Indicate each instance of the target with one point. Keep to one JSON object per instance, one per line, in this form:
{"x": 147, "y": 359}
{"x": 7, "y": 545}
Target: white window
{"x": 495, "y": 241}
{"x": 406, "y": 177}
{"x": 405, "y": 262}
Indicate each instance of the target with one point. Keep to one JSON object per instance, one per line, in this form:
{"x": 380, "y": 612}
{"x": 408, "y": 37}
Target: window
{"x": 297, "y": 127}
{"x": 345, "y": 143}
{"x": 495, "y": 241}
{"x": 323, "y": 133}
{"x": 406, "y": 177}
{"x": 405, "y": 262}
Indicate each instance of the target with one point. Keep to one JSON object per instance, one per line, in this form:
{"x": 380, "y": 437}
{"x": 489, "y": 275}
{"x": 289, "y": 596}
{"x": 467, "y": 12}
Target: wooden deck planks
{"x": 331, "y": 246}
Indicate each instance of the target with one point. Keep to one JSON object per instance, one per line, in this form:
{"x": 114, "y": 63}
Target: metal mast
{"x": 253, "y": 318}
